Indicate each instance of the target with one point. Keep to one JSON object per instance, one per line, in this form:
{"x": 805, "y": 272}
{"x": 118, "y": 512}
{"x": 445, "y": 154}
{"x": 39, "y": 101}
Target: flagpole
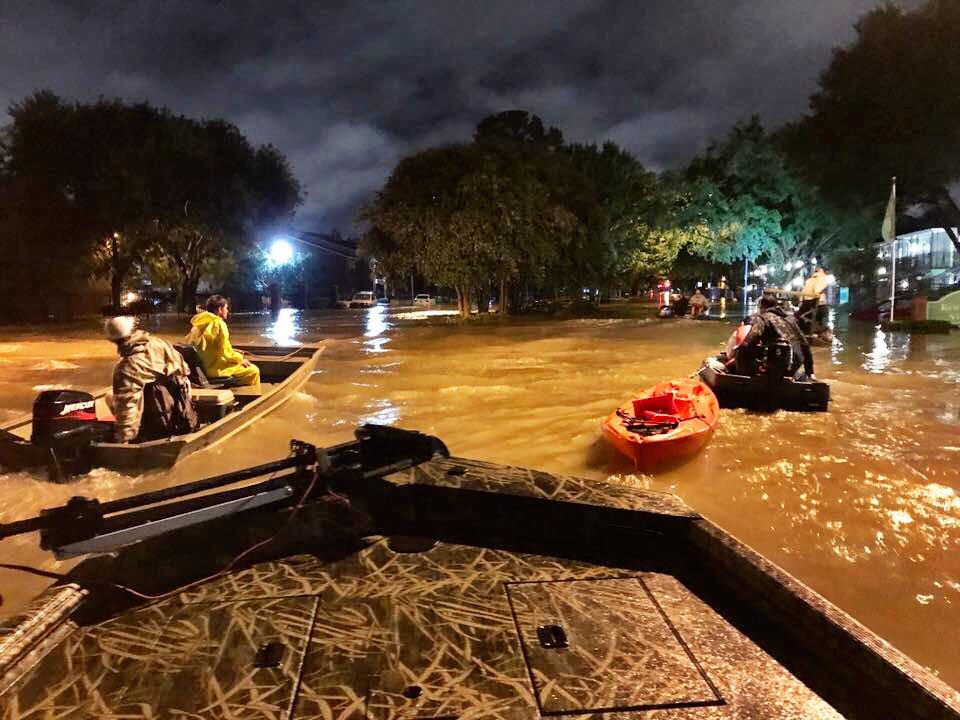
{"x": 893, "y": 262}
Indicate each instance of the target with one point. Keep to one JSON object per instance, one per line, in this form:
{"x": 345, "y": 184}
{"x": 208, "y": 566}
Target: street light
{"x": 281, "y": 252}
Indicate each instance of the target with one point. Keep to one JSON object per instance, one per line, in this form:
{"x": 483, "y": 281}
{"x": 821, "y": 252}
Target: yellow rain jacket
{"x": 209, "y": 335}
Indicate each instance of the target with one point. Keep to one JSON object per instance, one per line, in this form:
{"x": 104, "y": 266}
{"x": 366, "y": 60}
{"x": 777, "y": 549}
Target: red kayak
{"x": 665, "y": 424}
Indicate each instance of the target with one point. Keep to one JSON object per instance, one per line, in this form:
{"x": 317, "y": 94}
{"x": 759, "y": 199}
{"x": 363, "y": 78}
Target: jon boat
{"x": 383, "y": 579}
{"x": 664, "y": 425}
{"x": 763, "y": 392}
{"x": 283, "y": 371}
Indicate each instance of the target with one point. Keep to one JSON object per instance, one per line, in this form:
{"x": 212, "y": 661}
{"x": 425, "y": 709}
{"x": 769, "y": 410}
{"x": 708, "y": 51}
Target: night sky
{"x": 346, "y": 89}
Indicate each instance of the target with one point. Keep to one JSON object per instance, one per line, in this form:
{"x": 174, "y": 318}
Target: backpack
{"x": 167, "y": 409}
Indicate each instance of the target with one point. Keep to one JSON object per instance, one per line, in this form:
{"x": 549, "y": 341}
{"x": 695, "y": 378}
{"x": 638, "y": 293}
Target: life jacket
{"x": 740, "y": 335}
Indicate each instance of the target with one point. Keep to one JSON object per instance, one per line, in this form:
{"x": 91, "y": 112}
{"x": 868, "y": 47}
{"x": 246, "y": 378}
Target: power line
{"x": 325, "y": 244}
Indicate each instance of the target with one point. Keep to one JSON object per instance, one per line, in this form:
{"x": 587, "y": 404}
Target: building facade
{"x": 927, "y": 262}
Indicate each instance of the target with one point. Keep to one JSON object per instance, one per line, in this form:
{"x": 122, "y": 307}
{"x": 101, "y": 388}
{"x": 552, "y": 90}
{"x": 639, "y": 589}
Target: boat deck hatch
{"x": 604, "y": 646}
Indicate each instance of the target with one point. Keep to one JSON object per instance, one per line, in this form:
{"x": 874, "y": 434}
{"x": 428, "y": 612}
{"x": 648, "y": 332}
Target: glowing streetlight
{"x": 281, "y": 252}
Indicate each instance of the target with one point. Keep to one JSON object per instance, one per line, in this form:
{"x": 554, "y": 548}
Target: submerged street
{"x": 861, "y": 503}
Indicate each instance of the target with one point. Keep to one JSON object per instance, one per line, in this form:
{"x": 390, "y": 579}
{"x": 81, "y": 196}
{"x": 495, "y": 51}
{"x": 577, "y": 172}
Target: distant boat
{"x": 283, "y": 371}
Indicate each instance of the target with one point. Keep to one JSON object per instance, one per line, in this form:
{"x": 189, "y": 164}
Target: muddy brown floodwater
{"x": 861, "y": 503}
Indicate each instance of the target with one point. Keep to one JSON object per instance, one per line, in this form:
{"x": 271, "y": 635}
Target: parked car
{"x": 423, "y": 299}
{"x": 363, "y": 299}
{"x": 383, "y": 301}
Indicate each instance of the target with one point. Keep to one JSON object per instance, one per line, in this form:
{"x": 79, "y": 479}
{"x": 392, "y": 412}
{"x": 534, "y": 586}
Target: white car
{"x": 363, "y": 299}
{"x": 423, "y": 299}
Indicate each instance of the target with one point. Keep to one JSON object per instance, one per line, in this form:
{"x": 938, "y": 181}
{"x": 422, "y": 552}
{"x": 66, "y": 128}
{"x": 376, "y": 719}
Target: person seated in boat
{"x": 698, "y": 303}
{"x": 150, "y": 396}
{"x": 210, "y": 336}
{"x": 770, "y": 327}
{"x": 727, "y": 359}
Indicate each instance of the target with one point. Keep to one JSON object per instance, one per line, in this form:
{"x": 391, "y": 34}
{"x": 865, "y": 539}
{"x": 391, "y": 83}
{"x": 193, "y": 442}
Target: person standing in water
{"x": 210, "y": 336}
{"x": 813, "y": 302}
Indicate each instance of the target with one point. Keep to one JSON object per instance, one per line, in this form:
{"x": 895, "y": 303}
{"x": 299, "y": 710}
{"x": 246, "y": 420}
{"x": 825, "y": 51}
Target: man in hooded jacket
{"x": 210, "y": 336}
{"x": 772, "y": 325}
{"x": 150, "y": 397}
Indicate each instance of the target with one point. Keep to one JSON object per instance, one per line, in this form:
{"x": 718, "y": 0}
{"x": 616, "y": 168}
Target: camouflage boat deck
{"x": 487, "y": 592}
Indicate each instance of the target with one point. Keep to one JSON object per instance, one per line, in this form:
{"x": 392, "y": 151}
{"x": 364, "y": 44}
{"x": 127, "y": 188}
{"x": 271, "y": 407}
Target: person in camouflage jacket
{"x": 144, "y": 359}
{"x": 772, "y": 325}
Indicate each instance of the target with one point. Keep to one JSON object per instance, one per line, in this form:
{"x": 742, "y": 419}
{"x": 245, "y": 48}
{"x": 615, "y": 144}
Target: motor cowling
{"x": 57, "y": 410}
{"x": 65, "y": 421}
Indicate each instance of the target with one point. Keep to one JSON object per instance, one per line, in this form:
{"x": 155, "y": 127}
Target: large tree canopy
{"x": 639, "y": 237}
{"x": 887, "y": 106}
{"x": 102, "y": 187}
{"x": 747, "y": 199}
{"x": 488, "y": 213}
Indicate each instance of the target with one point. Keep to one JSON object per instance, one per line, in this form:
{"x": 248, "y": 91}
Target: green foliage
{"x": 746, "y": 198}
{"x": 115, "y": 190}
{"x": 638, "y": 234}
{"x": 517, "y": 127}
{"x": 45, "y": 233}
{"x": 887, "y": 106}
{"x": 469, "y": 216}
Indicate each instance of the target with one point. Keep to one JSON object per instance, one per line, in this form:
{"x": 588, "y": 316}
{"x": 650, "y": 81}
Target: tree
{"x": 45, "y": 230}
{"x": 887, "y": 106}
{"x": 105, "y": 188}
{"x": 517, "y": 127}
{"x": 466, "y": 216}
{"x": 746, "y": 198}
{"x": 221, "y": 190}
{"x": 639, "y": 235}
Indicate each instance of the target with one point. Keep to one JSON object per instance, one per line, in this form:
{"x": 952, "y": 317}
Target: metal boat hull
{"x": 455, "y": 589}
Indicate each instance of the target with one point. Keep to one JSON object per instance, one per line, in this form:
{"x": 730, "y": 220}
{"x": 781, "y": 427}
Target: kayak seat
{"x": 669, "y": 403}
{"x": 198, "y": 378}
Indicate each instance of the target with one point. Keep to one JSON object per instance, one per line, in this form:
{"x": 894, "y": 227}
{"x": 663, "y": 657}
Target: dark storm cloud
{"x": 346, "y": 89}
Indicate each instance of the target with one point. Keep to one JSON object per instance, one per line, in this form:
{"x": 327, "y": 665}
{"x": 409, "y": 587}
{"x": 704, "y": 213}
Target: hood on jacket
{"x": 136, "y": 342}
{"x": 203, "y": 318}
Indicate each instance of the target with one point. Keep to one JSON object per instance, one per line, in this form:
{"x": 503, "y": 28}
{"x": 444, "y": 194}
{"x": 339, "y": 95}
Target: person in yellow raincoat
{"x": 209, "y": 335}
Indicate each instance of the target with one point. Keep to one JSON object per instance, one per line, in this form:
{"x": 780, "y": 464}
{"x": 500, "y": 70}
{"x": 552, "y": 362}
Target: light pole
{"x": 889, "y": 232}
{"x": 746, "y": 275}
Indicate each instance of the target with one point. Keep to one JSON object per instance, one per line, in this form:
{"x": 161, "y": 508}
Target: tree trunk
{"x": 115, "y": 299}
{"x": 483, "y": 299}
{"x": 115, "y": 273}
{"x": 188, "y": 293}
{"x": 463, "y": 301}
{"x": 502, "y": 299}
{"x": 952, "y": 214}
{"x": 516, "y": 297}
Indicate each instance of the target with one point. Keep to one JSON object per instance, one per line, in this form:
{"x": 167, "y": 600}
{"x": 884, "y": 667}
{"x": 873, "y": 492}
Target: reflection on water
{"x": 375, "y": 321}
{"x": 384, "y": 413}
{"x": 286, "y": 327}
{"x": 878, "y": 359}
{"x": 862, "y": 503}
{"x": 375, "y": 326}
{"x": 424, "y": 314}
{"x": 889, "y": 350}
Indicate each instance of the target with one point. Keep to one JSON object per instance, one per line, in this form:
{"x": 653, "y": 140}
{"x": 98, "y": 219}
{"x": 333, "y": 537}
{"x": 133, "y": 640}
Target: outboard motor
{"x": 65, "y": 422}
{"x": 779, "y": 357}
